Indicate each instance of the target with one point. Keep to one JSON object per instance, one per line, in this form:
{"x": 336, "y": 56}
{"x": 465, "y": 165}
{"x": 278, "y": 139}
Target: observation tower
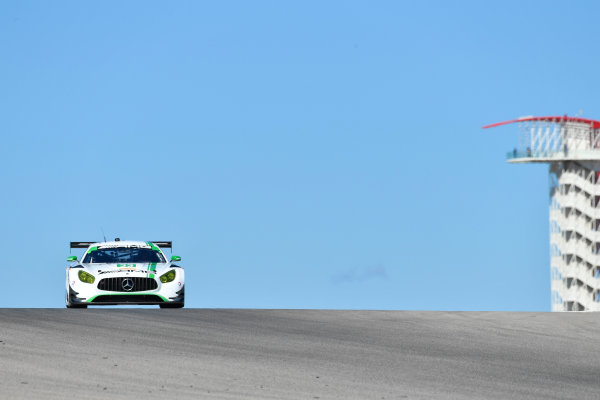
{"x": 571, "y": 147}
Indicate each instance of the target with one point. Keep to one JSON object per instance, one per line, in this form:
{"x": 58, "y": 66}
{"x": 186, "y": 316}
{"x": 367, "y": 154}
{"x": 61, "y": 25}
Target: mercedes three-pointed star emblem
{"x": 127, "y": 284}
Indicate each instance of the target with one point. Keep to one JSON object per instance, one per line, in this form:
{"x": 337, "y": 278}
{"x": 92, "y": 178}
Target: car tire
{"x": 70, "y": 305}
{"x": 171, "y": 305}
{"x": 76, "y": 306}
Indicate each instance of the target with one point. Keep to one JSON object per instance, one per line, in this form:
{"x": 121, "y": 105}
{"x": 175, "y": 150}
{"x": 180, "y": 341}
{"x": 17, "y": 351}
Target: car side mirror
{"x": 175, "y": 258}
{"x": 72, "y": 258}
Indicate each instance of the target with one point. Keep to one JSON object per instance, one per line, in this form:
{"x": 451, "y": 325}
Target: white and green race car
{"x": 124, "y": 272}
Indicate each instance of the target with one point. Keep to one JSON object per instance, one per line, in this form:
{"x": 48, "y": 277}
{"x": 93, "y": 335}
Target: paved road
{"x": 297, "y": 354}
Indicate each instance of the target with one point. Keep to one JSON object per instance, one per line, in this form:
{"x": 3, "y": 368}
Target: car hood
{"x": 144, "y": 268}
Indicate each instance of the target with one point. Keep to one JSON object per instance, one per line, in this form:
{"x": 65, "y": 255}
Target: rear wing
{"x": 165, "y": 245}
{"x": 85, "y": 245}
{"x": 81, "y": 245}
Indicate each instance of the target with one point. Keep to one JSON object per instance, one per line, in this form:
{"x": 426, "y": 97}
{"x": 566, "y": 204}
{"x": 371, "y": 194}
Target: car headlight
{"x": 167, "y": 276}
{"x": 85, "y": 277}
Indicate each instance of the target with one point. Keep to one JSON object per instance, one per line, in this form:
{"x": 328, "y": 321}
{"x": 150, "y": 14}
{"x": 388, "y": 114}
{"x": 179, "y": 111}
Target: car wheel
{"x": 70, "y": 305}
{"x": 171, "y": 305}
{"x": 76, "y": 306}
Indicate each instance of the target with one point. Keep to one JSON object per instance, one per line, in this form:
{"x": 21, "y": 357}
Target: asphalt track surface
{"x": 297, "y": 354}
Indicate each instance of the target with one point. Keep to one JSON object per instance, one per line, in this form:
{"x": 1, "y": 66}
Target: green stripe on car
{"x": 92, "y": 249}
{"x": 153, "y": 246}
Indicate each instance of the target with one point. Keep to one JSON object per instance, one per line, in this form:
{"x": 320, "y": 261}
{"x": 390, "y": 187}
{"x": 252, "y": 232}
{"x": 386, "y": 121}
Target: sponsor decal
{"x": 123, "y": 245}
{"x": 108, "y": 272}
{"x": 179, "y": 283}
{"x": 118, "y": 271}
{"x": 126, "y": 266}
{"x": 73, "y": 283}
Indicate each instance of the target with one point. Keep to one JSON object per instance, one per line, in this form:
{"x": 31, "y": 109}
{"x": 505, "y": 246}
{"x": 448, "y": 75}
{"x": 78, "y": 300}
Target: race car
{"x": 124, "y": 272}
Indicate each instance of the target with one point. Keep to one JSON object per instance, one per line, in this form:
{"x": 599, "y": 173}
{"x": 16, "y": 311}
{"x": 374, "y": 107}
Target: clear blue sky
{"x": 299, "y": 154}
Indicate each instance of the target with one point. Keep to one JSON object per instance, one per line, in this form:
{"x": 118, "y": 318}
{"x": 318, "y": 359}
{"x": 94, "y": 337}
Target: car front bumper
{"x": 81, "y": 293}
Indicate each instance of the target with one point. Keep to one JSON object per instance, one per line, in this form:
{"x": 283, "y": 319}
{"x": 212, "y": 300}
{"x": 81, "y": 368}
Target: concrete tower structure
{"x": 571, "y": 147}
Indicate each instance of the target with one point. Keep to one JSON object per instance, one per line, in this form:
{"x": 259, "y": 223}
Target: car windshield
{"x": 124, "y": 255}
